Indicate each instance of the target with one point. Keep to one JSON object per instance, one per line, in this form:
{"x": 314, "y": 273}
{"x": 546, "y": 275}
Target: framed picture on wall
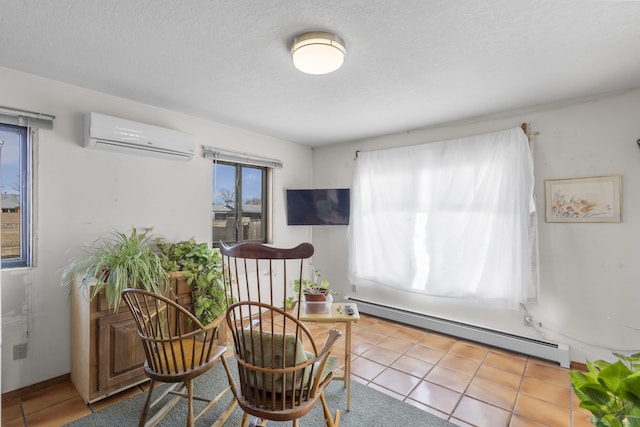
{"x": 588, "y": 199}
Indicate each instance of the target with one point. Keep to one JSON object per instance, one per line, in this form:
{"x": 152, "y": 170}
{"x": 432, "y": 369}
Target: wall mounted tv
{"x": 318, "y": 206}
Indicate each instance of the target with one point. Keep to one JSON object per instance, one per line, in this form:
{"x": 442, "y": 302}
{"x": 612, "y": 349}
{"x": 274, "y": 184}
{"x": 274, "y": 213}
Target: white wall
{"x": 590, "y": 284}
{"x": 84, "y": 194}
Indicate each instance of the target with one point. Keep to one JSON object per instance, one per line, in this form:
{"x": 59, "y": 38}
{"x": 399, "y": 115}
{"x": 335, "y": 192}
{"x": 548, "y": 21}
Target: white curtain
{"x": 453, "y": 219}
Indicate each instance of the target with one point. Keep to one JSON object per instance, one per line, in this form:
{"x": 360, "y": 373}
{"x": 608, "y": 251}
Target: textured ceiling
{"x": 410, "y": 63}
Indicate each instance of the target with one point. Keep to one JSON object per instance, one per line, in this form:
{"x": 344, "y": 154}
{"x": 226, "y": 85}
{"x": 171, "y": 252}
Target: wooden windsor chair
{"x": 282, "y": 372}
{"x": 178, "y": 349}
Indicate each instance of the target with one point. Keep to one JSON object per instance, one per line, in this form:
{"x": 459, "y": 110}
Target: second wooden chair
{"x": 282, "y": 372}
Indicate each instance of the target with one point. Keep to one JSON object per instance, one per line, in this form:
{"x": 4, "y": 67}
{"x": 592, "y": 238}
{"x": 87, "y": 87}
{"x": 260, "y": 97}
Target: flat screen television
{"x": 318, "y": 206}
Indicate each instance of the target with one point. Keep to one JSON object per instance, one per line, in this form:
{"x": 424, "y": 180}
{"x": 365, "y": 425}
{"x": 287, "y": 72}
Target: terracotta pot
{"x": 316, "y": 297}
{"x": 318, "y": 303}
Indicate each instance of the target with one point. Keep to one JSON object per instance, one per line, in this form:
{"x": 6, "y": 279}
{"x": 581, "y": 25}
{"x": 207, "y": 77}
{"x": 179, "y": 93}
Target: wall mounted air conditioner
{"x": 102, "y": 132}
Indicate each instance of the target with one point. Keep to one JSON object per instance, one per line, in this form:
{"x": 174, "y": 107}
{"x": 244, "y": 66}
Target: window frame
{"x": 265, "y": 172}
{"x": 26, "y": 135}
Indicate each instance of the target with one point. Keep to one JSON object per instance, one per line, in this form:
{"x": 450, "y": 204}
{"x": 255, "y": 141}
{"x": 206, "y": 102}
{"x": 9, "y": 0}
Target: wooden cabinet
{"x": 106, "y": 352}
{"x": 120, "y": 352}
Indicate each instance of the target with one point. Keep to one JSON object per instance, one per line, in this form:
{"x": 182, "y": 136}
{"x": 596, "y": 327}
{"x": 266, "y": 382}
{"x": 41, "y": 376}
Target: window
{"x": 452, "y": 219}
{"x": 15, "y": 165}
{"x": 239, "y": 203}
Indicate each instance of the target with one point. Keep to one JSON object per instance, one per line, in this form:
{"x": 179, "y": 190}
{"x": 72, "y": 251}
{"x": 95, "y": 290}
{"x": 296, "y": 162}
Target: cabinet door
{"x": 120, "y": 352}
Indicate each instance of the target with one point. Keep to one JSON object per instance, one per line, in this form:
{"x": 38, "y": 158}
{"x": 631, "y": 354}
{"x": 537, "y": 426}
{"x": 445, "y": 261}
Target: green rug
{"x": 369, "y": 408}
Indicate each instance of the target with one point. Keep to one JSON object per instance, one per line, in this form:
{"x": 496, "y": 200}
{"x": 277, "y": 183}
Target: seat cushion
{"x": 266, "y": 351}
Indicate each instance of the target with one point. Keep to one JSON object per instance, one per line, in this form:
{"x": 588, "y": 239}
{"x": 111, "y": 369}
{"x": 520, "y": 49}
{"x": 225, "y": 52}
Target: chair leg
{"x": 330, "y": 421}
{"x": 164, "y": 410}
{"x": 145, "y": 410}
{"x": 190, "y": 421}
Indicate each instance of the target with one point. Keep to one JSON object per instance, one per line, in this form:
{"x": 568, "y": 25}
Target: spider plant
{"x": 117, "y": 262}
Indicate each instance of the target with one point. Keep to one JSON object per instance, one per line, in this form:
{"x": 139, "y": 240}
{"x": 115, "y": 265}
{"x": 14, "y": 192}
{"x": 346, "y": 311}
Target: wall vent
{"x": 20, "y": 351}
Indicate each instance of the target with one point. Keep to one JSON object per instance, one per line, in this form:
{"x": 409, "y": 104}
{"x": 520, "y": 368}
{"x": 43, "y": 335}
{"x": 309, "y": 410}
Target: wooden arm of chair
{"x": 332, "y": 337}
{"x": 202, "y": 329}
{"x": 215, "y": 322}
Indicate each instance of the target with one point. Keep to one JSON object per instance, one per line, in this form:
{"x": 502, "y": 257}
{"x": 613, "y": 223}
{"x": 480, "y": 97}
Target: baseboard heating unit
{"x": 545, "y": 350}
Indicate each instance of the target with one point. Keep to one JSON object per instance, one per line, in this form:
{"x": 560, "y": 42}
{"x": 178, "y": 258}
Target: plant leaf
{"x": 633, "y": 416}
{"x": 613, "y": 375}
{"x": 597, "y": 394}
{"x": 631, "y": 387}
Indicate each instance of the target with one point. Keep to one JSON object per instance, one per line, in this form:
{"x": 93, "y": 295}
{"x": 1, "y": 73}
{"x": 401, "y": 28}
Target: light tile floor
{"x": 464, "y": 382}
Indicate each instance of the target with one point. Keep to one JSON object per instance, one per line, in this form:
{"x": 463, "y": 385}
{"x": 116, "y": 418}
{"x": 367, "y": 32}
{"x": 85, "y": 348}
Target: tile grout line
{"x": 464, "y": 393}
{"x": 24, "y": 416}
{"x": 515, "y": 402}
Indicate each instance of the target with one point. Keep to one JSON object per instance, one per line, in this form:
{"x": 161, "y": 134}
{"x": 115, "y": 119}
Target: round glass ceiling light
{"x": 318, "y": 52}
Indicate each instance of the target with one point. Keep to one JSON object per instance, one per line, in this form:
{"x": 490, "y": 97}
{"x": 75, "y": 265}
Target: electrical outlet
{"x": 20, "y": 351}
{"x": 528, "y": 320}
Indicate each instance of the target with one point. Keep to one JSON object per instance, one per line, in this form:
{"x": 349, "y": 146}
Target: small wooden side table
{"x": 338, "y": 314}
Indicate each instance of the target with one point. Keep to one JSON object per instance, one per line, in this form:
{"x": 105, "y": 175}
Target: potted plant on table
{"x": 317, "y": 294}
{"x": 610, "y": 391}
{"x": 117, "y": 262}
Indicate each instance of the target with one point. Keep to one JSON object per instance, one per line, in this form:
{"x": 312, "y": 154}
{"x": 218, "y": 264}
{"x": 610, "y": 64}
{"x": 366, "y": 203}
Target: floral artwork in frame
{"x": 589, "y": 199}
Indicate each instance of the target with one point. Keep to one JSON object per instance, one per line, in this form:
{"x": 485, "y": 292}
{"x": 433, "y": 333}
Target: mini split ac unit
{"x": 102, "y": 132}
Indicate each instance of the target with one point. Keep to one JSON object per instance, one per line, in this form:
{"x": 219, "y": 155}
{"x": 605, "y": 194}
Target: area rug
{"x": 369, "y": 408}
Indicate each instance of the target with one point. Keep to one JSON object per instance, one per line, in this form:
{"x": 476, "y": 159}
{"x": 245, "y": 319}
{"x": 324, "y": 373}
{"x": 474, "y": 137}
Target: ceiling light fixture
{"x": 318, "y": 52}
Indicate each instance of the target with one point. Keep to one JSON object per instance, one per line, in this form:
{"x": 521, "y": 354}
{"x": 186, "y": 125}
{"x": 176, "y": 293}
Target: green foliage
{"x": 202, "y": 267}
{"x": 132, "y": 261}
{"x": 309, "y": 286}
{"x": 118, "y": 262}
{"x": 610, "y": 391}
{"x": 186, "y": 255}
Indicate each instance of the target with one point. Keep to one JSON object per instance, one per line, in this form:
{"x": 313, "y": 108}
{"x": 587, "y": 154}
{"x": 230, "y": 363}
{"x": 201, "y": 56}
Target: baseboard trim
{"x": 577, "y": 366}
{"x": 556, "y": 352}
{"x": 15, "y": 394}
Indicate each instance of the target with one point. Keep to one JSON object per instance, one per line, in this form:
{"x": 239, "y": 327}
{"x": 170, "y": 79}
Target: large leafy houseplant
{"x": 610, "y": 391}
{"x": 202, "y": 267}
{"x": 117, "y": 262}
